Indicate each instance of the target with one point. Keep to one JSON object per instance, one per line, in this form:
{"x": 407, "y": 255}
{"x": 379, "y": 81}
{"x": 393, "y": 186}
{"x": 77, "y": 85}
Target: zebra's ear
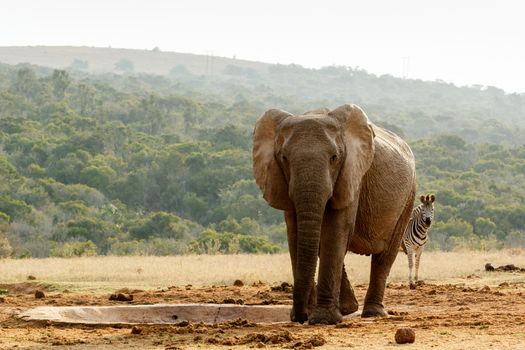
{"x": 422, "y": 198}
{"x": 432, "y": 198}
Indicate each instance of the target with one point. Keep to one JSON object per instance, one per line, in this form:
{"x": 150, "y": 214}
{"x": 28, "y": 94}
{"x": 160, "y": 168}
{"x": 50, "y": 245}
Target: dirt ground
{"x": 451, "y": 316}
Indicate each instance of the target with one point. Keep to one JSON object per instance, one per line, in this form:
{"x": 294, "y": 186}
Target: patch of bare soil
{"x": 24, "y": 287}
{"x": 441, "y": 315}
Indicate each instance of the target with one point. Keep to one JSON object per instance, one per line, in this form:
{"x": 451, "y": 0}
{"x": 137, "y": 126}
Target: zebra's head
{"x": 427, "y": 209}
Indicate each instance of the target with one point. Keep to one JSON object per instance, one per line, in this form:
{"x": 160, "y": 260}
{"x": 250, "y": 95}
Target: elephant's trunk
{"x": 310, "y": 205}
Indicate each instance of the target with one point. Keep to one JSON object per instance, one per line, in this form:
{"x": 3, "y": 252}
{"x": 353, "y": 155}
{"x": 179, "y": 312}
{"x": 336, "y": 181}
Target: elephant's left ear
{"x": 358, "y": 136}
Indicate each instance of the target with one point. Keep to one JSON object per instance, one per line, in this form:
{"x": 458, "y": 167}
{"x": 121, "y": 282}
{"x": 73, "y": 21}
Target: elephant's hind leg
{"x": 347, "y": 301}
{"x": 381, "y": 264}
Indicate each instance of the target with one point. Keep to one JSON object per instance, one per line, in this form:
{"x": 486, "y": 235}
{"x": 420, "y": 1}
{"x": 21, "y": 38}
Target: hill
{"x": 413, "y": 107}
{"x": 103, "y": 60}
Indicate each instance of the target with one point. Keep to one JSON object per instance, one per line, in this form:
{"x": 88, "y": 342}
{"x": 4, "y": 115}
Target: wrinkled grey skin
{"x": 344, "y": 184}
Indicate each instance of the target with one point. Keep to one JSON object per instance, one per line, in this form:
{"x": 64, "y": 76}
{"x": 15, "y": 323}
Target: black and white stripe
{"x": 416, "y": 233}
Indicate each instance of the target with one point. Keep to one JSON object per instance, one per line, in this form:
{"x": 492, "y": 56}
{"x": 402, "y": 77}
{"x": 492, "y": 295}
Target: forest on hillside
{"x": 136, "y": 164}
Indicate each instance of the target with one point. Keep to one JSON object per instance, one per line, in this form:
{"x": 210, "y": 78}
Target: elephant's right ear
{"x": 268, "y": 174}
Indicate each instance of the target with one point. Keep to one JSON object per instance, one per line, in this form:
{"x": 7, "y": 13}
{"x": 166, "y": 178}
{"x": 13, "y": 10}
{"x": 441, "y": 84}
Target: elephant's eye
{"x": 284, "y": 158}
{"x": 333, "y": 158}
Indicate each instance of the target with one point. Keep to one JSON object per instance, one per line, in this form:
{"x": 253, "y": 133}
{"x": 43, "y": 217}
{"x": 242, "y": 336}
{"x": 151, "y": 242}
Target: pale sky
{"x": 464, "y": 42}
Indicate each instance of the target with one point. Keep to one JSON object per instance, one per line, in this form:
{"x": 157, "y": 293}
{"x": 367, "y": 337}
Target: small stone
{"x": 489, "y": 267}
{"x": 504, "y": 284}
{"x": 405, "y": 335}
{"x": 136, "y": 330}
{"x": 121, "y": 297}
{"x": 183, "y": 323}
{"x": 317, "y": 340}
{"x": 238, "y": 283}
{"x": 39, "y": 294}
{"x": 31, "y": 278}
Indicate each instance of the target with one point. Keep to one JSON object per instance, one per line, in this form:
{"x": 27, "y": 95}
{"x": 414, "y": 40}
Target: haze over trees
{"x": 132, "y": 163}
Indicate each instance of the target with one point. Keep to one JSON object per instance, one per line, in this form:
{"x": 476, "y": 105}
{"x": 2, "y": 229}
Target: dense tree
{"x": 138, "y": 164}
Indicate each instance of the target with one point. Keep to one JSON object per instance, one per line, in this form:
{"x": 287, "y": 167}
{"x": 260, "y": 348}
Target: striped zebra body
{"x": 416, "y": 234}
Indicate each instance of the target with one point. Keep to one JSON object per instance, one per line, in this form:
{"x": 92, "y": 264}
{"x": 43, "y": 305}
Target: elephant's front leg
{"x": 347, "y": 301}
{"x": 334, "y": 238}
{"x": 291, "y": 228}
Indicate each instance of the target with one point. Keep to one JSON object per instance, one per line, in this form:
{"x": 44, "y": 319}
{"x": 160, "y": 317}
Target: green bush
{"x": 74, "y": 249}
{"x": 212, "y": 242}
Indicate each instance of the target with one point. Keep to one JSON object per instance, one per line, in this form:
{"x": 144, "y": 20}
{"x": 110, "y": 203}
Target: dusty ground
{"x": 444, "y": 315}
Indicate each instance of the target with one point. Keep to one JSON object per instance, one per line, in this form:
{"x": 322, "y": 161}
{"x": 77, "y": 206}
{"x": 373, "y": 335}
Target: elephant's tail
{"x": 402, "y": 248}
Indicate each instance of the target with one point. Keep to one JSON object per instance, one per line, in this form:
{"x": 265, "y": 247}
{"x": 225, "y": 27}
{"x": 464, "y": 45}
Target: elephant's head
{"x": 301, "y": 163}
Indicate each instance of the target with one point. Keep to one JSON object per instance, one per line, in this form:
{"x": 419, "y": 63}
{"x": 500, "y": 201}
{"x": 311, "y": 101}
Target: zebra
{"x": 415, "y": 235}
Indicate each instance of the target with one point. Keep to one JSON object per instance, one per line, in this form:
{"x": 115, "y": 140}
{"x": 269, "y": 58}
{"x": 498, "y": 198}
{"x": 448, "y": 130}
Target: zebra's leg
{"x": 347, "y": 301}
{"x": 410, "y": 255}
{"x": 418, "y": 257}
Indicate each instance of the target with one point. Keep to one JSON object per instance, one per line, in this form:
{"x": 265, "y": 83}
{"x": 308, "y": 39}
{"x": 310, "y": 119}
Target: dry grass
{"x": 110, "y": 273}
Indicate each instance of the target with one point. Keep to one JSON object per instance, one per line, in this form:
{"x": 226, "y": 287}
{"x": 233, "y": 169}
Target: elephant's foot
{"x": 325, "y": 315}
{"x": 312, "y": 300}
{"x": 347, "y": 302}
{"x": 348, "y": 307}
{"x": 373, "y": 310}
{"x": 412, "y": 285}
{"x": 300, "y": 317}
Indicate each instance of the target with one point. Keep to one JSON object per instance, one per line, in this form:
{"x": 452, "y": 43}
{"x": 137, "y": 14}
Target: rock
{"x": 283, "y": 287}
{"x": 405, "y": 335}
{"x": 238, "y": 283}
{"x": 39, "y": 294}
{"x": 509, "y": 267}
{"x": 504, "y": 284}
{"x": 121, "y": 297}
{"x": 31, "y": 278}
{"x": 397, "y": 313}
{"x": 183, "y": 323}
{"x": 136, "y": 330}
{"x": 489, "y": 267}
{"x": 233, "y": 301}
{"x": 317, "y": 340}
{"x": 485, "y": 289}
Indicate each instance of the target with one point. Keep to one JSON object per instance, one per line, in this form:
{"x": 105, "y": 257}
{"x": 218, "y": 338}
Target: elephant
{"x": 344, "y": 184}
